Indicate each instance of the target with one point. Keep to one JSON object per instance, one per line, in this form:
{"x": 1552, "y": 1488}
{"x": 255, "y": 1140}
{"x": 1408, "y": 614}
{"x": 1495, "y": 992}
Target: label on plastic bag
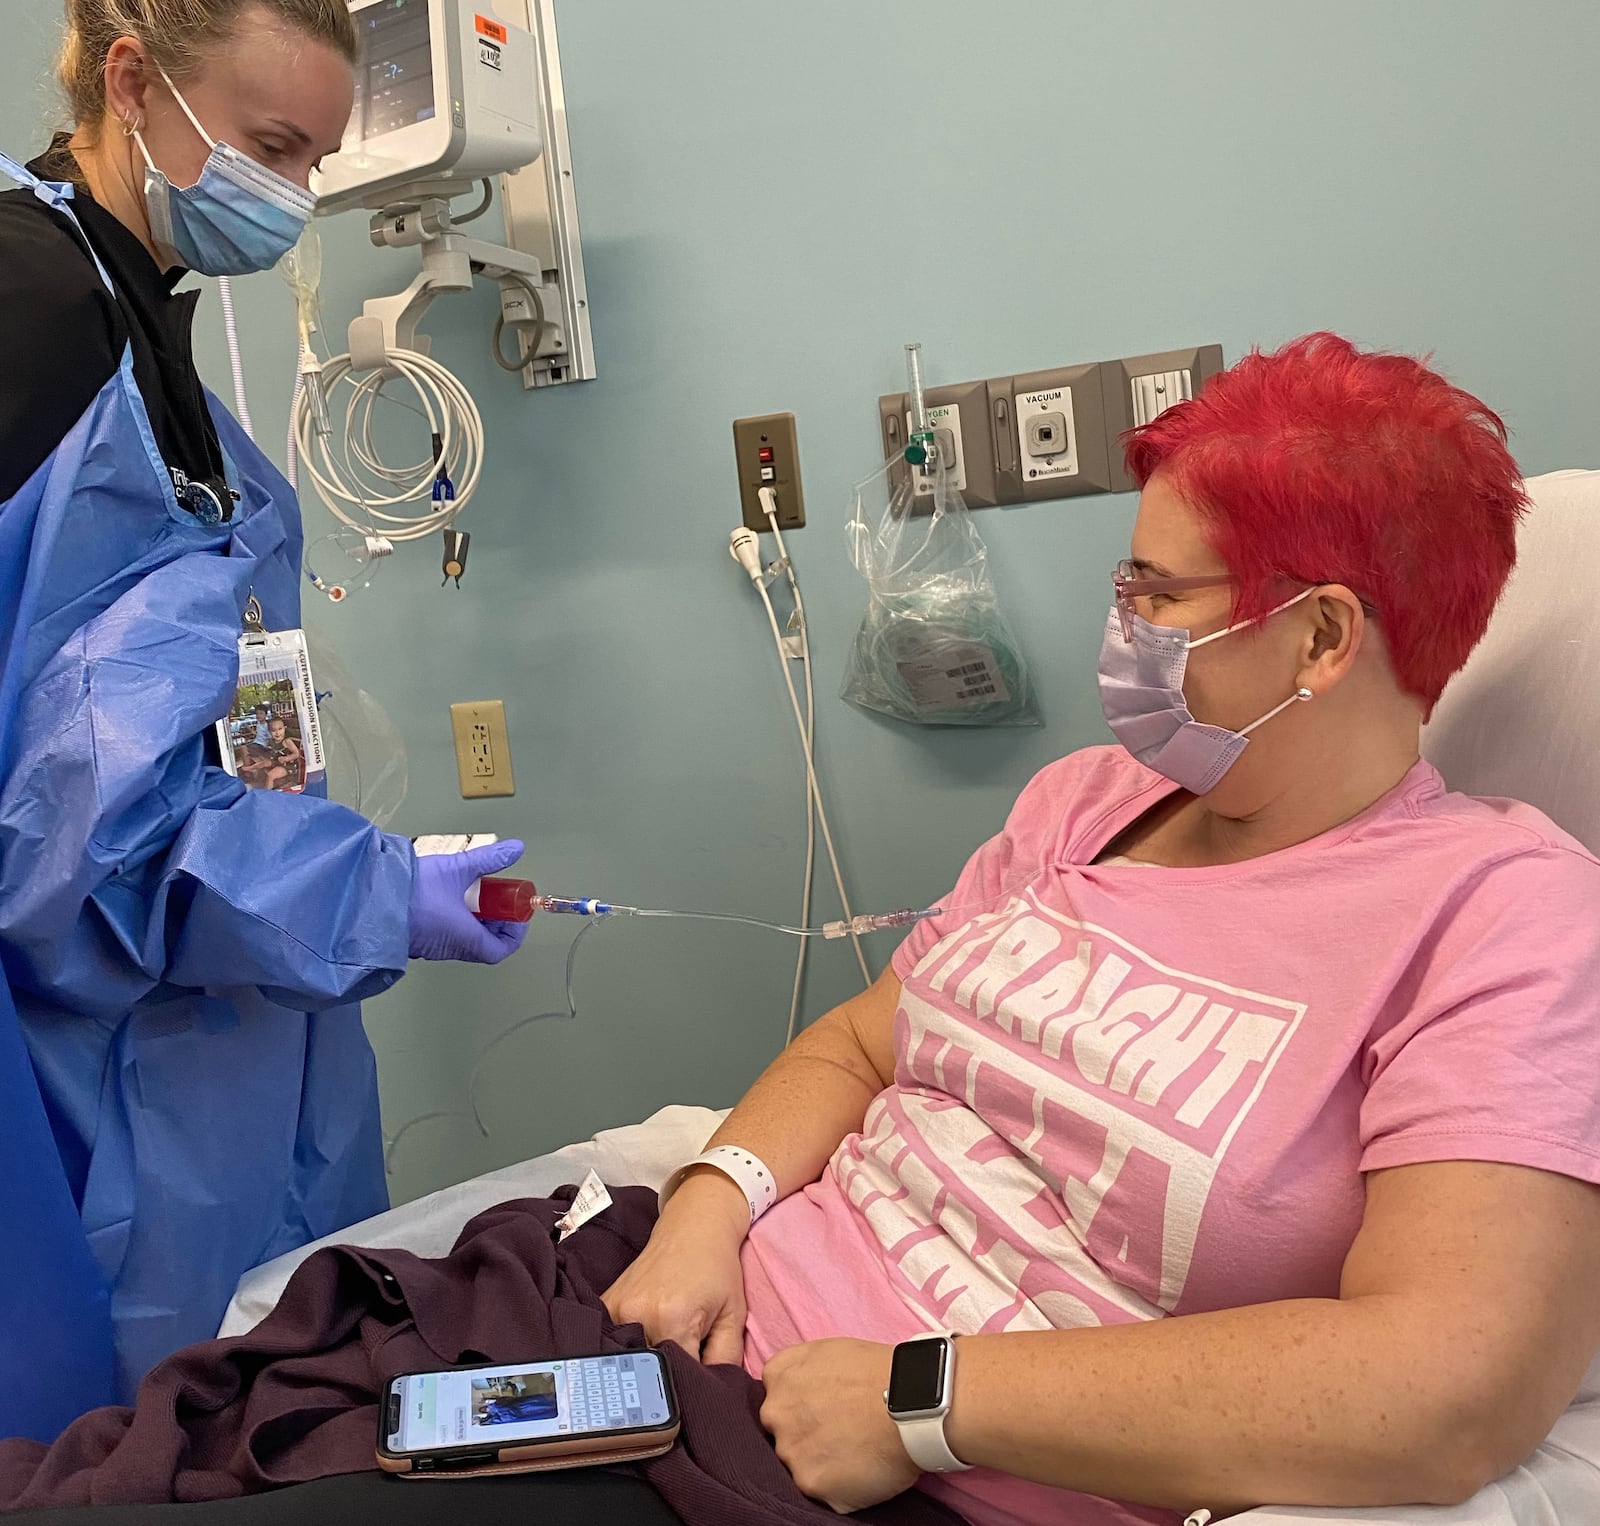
{"x": 963, "y": 673}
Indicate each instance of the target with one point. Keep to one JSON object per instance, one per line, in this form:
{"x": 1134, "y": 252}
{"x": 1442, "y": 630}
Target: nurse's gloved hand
{"x": 442, "y": 925}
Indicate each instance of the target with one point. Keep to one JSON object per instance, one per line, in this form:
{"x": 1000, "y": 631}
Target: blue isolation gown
{"x": 186, "y": 1089}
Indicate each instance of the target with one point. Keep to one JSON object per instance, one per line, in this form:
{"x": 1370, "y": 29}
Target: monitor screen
{"x": 394, "y": 81}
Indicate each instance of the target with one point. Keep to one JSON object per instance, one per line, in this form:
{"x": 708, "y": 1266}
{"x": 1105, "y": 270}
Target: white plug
{"x": 745, "y": 549}
{"x": 769, "y": 503}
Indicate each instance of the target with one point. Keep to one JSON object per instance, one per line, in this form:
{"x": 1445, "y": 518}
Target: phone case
{"x": 543, "y": 1457}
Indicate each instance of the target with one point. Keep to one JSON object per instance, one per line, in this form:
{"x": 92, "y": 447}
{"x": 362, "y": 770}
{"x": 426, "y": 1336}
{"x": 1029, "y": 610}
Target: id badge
{"x": 271, "y": 738}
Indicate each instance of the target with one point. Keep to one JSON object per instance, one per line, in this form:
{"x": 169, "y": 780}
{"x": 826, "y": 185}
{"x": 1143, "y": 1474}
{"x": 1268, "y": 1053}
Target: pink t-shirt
{"x": 1123, "y": 1092}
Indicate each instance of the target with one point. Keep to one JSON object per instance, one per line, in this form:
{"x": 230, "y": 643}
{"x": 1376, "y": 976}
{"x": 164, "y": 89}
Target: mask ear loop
{"x": 1300, "y": 696}
{"x": 138, "y": 137}
{"x": 177, "y": 95}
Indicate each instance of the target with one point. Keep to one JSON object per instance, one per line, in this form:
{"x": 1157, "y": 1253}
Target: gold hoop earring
{"x": 128, "y": 127}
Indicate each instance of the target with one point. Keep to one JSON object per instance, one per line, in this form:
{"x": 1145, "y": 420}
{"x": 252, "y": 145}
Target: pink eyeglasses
{"x": 1129, "y": 587}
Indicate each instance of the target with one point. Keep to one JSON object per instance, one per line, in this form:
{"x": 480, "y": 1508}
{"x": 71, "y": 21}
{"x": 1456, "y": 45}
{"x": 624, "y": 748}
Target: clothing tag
{"x": 592, "y": 1199}
{"x": 272, "y": 738}
{"x": 963, "y": 673}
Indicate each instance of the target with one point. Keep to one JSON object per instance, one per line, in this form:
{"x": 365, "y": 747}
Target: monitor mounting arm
{"x": 450, "y": 262}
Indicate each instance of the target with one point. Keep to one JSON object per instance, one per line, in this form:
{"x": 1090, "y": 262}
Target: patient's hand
{"x": 826, "y": 1414}
{"x": 687, "y": 1285}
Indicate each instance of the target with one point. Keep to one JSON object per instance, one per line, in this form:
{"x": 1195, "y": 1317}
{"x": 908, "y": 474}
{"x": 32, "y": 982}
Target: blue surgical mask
{"x": 1141, "y": 695}
{"x": 237, "y": 219}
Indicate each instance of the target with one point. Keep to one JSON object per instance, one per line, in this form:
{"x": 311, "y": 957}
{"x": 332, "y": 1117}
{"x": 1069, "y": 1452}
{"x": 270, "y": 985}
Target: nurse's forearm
{"x": 1310, "y": 1402}
{"x": 810, "y": 1098}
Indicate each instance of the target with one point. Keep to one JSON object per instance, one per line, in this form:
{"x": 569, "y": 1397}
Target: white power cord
{"x": 347, "y": 486}
{"x": 769, "y": 504}
{"x": 230, "y": 329}
{"x": 811, "y": 779}
{"x": 811, "y": 844}
{"x": 745, "y": 549}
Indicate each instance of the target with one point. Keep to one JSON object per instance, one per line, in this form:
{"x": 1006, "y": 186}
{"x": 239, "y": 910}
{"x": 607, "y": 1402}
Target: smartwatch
{"x": 922, "y": 1382}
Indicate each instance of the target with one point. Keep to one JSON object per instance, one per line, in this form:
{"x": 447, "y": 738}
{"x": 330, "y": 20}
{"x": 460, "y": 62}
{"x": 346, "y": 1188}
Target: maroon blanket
{"x": 296, "y": 1399}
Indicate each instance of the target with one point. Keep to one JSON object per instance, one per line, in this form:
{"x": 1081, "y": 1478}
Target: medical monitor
{"x": 447, "y": 92}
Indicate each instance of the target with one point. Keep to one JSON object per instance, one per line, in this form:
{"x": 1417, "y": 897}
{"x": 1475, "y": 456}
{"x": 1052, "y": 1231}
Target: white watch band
{"x": 926, "y": 1446}
{"x": 923, "y": 1436}
{"x": 748, "y": 1172}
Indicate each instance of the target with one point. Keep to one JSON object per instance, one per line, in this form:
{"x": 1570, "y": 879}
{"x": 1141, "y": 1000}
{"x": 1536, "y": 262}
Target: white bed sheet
{"x": 1558, "y": 1486}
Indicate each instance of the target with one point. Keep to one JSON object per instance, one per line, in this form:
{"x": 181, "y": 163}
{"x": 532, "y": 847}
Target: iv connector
{"x": 564, "y": 906}
{"x": 857, "y": 926}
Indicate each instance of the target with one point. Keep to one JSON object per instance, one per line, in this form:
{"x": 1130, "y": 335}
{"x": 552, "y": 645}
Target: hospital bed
{"x": 1522, "y": 720}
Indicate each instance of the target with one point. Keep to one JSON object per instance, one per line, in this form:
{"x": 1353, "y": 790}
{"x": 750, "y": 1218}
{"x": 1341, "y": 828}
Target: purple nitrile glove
{"x": 442, "y": 925}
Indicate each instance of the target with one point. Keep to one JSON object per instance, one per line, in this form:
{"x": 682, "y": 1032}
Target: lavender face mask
{"x": 1141, "y": 694}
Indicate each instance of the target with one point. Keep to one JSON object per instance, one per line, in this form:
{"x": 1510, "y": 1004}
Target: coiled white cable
{"x": 292, "y": 453}
{"x": 361, "y": 489}
{"x": 230, "y": 329}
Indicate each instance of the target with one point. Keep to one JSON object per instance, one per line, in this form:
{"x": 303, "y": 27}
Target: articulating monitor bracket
{"x": 450, "y": 262}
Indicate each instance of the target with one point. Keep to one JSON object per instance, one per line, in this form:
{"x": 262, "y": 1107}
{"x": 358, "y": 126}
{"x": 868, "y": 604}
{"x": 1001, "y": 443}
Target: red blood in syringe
{"x": 506, "y": 900}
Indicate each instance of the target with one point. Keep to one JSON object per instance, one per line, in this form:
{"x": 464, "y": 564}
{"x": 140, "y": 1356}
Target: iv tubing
{"x": 571, "y": 1013}
{"x": 853, "y": 928}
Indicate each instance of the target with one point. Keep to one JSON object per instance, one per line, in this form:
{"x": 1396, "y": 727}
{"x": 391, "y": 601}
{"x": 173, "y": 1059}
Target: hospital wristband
{"x": 749, "y": 1173}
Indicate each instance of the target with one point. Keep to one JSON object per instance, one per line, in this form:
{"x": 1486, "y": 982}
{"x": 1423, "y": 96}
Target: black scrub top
{"x": 62, "y": 335}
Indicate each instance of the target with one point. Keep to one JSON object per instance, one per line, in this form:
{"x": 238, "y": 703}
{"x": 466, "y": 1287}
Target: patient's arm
{"x": 687, "y": 1285}
{"x": 815, "y": 1093}
{"x": 1468, "y": 1313}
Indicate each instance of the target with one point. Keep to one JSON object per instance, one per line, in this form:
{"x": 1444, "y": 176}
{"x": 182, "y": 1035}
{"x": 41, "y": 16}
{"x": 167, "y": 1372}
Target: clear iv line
{"x": 598, "y": 911}
{"x": 476, "y": 1116}
{"x": 906, "y": 917}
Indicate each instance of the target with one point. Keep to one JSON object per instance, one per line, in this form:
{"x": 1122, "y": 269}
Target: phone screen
{"x": 530, "y": 1401}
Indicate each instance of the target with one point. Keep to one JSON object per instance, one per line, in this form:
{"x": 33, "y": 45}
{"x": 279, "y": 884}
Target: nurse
{"x": 185, "y": 1086}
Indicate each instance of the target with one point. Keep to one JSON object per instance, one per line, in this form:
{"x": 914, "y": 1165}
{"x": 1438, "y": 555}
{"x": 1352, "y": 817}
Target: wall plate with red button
{"x": 768, "y": 455}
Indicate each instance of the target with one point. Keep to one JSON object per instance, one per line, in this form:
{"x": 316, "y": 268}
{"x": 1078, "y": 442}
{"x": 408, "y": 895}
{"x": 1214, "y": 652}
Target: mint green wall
{"x": 1103, "y": 180}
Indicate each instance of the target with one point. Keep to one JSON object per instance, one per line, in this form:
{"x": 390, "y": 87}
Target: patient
{"x": 1241, "y": 1113}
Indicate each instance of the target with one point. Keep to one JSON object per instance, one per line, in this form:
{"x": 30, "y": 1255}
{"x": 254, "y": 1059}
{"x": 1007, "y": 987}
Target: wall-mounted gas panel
{"x": 1045, "y": 434}
{"x": 958, "y": 416}
{"x": 1058, "y": 433}
{"x": 1145, "y": 386}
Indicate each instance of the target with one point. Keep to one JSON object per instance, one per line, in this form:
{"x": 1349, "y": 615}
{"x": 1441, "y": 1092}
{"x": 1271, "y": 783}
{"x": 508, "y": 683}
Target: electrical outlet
{"x": 768, "y": 455}
{"x": 483, "y": 749}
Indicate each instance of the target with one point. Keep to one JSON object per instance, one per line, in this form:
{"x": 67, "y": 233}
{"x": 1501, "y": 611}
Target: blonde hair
{"x": 179, "y": 35}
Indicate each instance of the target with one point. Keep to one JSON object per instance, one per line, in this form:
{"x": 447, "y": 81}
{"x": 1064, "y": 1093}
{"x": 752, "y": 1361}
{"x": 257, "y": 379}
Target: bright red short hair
{"x": 1326, "y": 464}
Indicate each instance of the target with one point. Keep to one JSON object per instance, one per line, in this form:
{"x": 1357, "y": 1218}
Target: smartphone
{"x": 563, "y": 1413}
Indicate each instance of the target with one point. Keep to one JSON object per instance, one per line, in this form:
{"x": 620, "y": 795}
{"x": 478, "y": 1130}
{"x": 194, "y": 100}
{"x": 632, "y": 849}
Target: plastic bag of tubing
{"x": 367, "y": 765}
{"x": 934, "y": 647}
